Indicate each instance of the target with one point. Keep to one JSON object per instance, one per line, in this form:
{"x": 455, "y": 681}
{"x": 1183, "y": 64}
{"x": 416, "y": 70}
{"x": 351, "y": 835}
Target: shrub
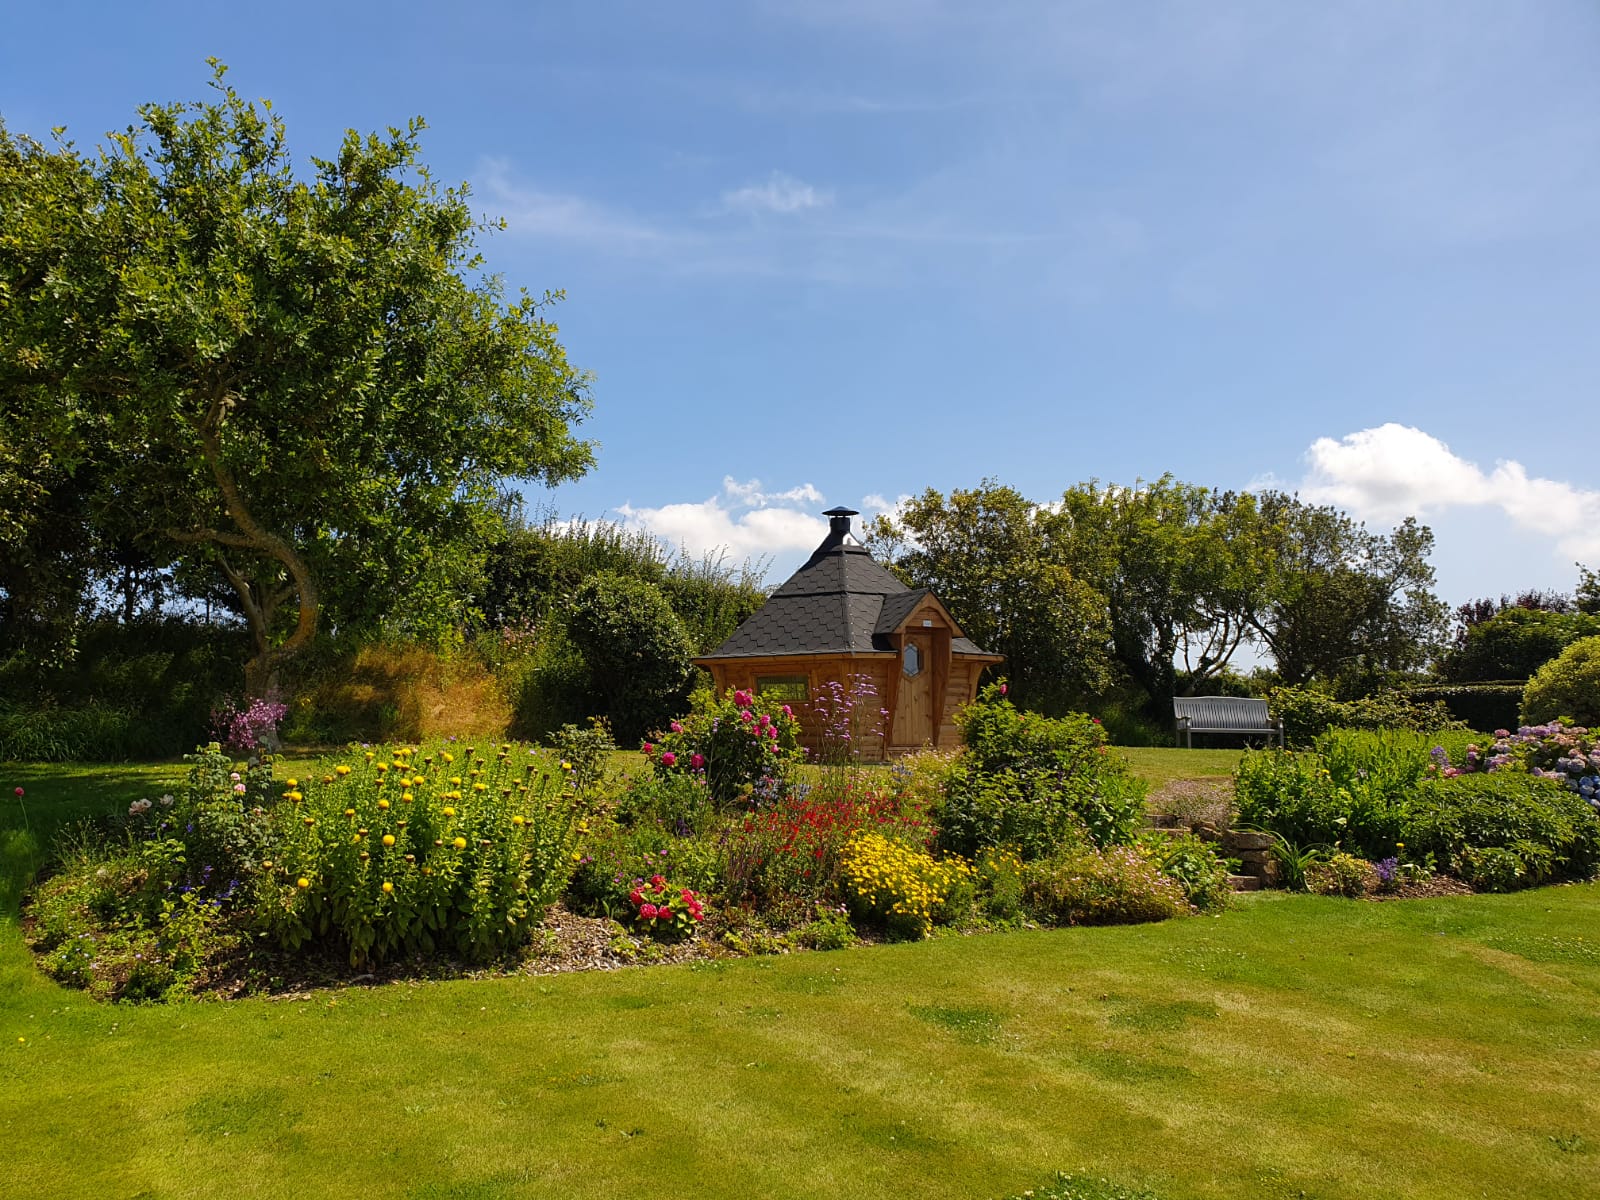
{"x": 415, "y": 853}
{"x": 666, "y": 909}
{"x": 1554, "y": 751}
{"x": 1195, "y": 865}
{"x": 1478, "y": 705}
{"x": 89, "y": 732}
{"x": 1029, "y": 782}
{"x": 615, "y": 859}
{"x": 1000, "y": 875}
{"x": 1516, "y": 642}
{"x": 1536, "y": 828}
{"x": 243, "y": 727}
{"x": 587, "y": 750}
{"x": 830, "y": 930}
{"x": 1308, "y": 712}
{"x": 1089, "y": 886}
{"x": 1342, "y": 874}
{"x": 1567, "y": 687}
{"x": 636, "y": 649}
{"x": 902, "y": 889}
{"x": 738, "y": 744}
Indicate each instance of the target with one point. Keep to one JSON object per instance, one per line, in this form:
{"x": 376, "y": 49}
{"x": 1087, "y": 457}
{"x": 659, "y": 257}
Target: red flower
{"x": 668, "y": 758}
{"x": 636, "y": 896}
{"x": 658, "y": 880}
{"x": 647, "y": 911}
{"x": 19, "y": 791}
{"x": 649, "y": 748}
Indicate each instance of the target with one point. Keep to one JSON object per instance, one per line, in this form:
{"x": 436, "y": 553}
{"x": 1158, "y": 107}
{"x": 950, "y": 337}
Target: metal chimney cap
{"x": 841, "y": 512}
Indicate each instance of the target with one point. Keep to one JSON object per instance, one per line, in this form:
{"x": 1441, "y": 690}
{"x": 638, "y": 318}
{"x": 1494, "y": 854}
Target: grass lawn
{"x": 1293, "y": 1046}
{"x": 1162, "y": 764}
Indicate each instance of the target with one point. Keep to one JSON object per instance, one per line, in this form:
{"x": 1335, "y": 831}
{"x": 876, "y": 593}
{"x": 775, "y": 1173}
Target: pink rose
{"x": 668, "y": 758}
{"x": 697, "y": 761}
{"x": 676, "y": 727}
{"x": 747, "y": 716}
{"x": 787, "y": 711}
{"x": 1002, "y": 689}
{"x": 649, "y": 748}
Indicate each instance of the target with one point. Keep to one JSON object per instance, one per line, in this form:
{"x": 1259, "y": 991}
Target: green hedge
{"x": 1485, "y": 706}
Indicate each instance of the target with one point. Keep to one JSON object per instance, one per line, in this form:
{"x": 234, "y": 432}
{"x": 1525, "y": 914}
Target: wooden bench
{"x": 1224, "y": 714}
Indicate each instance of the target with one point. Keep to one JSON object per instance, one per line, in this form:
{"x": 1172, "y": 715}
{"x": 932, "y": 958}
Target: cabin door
{"x": 914, "y": 713}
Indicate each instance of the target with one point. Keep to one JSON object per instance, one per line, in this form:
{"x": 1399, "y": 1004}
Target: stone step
{"x": 1244, "y": 883}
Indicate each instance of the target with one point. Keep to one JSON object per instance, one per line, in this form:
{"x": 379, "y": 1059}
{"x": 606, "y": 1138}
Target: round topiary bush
{"x": 1566, "y": 686}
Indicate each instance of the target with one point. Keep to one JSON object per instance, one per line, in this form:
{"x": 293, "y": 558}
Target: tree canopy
{"x": 305, "y": 387}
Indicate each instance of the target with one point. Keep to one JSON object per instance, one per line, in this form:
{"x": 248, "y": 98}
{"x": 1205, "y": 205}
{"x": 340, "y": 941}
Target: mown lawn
{"x": 1294, "y": 1046}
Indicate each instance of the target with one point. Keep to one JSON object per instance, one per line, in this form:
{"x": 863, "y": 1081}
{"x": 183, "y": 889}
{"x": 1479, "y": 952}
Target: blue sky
{"x": 821, "y": 252}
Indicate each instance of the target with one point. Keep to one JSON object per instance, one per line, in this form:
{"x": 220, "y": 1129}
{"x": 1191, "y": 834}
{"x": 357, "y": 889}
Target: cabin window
{"x": 911, "y": 661}
{"x": 788, "y": 688}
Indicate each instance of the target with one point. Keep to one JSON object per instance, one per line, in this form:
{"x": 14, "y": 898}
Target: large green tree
{"x": 1343, "y": 605}
{"x": 987, "y": 553}
{"x": 1182, "y": 569}
{"x": 302, "y": 384}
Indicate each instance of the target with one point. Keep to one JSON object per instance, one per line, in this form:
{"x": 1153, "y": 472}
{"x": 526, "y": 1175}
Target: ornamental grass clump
{"x": 420, "y": 852}
{"x": 900, "y": 888}
{"x": 1085, "y": 885}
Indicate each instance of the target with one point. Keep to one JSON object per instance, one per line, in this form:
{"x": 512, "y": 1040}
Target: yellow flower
{"x": 448, "y": 811}
{"x": 382, "y": 767}
{"x": 369, "y": 755}
{"x": 383, "y": 804}
{"x": 341, "y": 769}
{"x": 448, "y": 757}
{"x": 388, "y": 839}
{"x": 310, "y": 821}
{"x": 480, "y": 787}
{"x": 566, "y": 766}
{"x": 518, "y": 820}
{"x": 291, "y": 783}
{"x": 266, "y": 864}
{"x": 460, "y": 843}
{"x": 407, "y": 798}
{"x": 302, "y": 882}
{"x": 387, "y": 886}
{"x": 349, "y": 812}
{"x": 455, "y": 781}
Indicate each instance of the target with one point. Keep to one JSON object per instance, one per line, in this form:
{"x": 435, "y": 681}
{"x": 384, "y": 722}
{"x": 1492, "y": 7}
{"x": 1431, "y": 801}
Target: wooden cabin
{"x": 843, "y": 615}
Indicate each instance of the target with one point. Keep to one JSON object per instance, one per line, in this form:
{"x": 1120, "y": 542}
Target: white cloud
{"x": 1395, "y": 471}
{"x": 744, "y": 522}
{"x": 781, "y": 194}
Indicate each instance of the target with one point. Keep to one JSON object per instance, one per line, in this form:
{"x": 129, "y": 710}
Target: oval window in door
{"x": 911, "y": 661}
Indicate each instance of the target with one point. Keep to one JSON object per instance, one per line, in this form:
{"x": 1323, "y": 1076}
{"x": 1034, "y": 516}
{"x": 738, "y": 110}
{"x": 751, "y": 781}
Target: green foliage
{"x": 1030, "y": 782}
{"x": 636, "y": 649}
{"x": 1504, "y": 829}
{"x": 1567, "y": 687}
{"x": 1477, "y": 705}
{"x": 1341, "y": 874}
{"x": 587, "y": 750}
{"x": 419, "y": 854}
{"x": 1344, "y": 606}
{"x": 1195, "y": 865}
{"x": 124, "y": 691}
{"x": 1516, "y": 642}
{"x": 743, "y": 744}
{"x": 831, "y": 930}
{"x": 988, "y": 554}
{"x": 1308, "y": 712}
{"x": 1083, "y": 885}
{"x": 304, "y": 389}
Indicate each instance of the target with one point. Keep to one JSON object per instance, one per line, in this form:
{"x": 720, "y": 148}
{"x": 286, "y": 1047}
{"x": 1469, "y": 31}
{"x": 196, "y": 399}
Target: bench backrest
{"x": 1223, "y": 712}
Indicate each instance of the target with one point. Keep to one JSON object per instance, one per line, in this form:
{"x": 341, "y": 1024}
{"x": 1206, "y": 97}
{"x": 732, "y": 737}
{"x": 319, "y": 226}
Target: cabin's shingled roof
{"x": 839, "y": 602}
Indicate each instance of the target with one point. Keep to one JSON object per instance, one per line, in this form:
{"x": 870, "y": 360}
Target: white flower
{"x": 166, "y": 801}
{"x": 138, "y": 808}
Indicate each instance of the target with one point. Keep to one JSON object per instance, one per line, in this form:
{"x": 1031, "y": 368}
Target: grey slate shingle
{"x": 839, "y": 602}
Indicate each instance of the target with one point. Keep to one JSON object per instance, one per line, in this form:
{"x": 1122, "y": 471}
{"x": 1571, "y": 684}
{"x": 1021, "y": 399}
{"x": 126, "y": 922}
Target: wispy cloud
{"x": 780, "y": 193}
{"x": 1394, "y": 471}
{"x": 535, "y": 212}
